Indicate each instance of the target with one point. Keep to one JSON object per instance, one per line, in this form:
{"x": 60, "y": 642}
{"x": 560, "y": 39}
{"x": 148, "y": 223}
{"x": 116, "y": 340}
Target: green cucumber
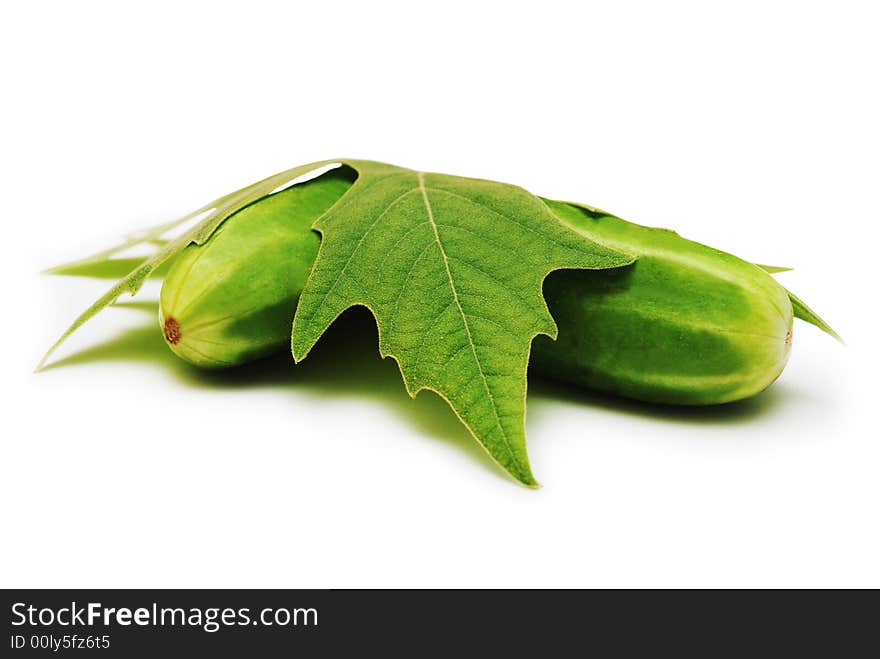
{"x": 685, "y": 324}
{"x": 232, "y": 299}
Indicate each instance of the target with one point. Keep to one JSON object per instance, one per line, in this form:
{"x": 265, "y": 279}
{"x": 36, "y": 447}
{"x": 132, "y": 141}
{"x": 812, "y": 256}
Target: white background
{"x": 753, "y": 128}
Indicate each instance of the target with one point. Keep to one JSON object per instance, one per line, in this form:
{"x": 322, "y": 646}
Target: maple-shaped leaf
{"x": 452, "y": 270}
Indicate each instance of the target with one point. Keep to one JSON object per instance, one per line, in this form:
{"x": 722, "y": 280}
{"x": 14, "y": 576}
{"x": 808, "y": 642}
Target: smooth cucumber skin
{"x": 232, "y": 299}
{"x": 686, "y": 324}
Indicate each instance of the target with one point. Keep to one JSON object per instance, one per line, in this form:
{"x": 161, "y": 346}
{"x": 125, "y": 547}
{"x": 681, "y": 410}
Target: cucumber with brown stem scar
{"x": 232, "y": 299}
{"x": 684, "y": 324}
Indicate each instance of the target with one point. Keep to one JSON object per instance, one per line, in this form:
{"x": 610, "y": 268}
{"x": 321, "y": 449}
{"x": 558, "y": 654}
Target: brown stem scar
{"x": 172, "y": 330}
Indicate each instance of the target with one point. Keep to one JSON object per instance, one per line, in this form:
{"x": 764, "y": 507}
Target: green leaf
{"x": 802, "y": 311}
{"x": 773, "y": 269}
{"x": 105, "y": 268}
{"x": 799, "y": 307}
{"x": 212, "y": 216}
{"x": 452, "y": 270}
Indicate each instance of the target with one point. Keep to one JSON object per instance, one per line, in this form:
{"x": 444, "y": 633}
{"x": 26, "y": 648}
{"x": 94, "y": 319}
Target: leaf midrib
{"x": 430, "y": 212}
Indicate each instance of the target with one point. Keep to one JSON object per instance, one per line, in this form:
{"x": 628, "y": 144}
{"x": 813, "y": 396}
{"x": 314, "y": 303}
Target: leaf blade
{"x": 452, "y": 270}
{"x": 805, "y": 313}
{"x": 109, "y": 268}
{"x": 773, "y": 269}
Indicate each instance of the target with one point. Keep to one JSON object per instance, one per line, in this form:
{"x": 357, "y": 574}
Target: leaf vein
{"x": 403, "y": 288}
{"x": 360, "y": 242}
{"x": 507, "y": 217}
{"x": 463, "y": 317}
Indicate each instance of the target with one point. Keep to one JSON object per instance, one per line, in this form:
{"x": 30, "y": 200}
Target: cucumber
{"x": 232, "y": 299}
{"x": 685, "y": 324}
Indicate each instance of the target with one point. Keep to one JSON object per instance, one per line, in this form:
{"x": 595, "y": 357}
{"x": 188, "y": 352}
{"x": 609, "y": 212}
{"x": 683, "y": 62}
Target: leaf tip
{"x": 298, "y": 351}
{"x": 531, "y": 484}
{"x": 774, "y": 269}
{"x": 44, "y": 360}
{"x": 522, "y": 473}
